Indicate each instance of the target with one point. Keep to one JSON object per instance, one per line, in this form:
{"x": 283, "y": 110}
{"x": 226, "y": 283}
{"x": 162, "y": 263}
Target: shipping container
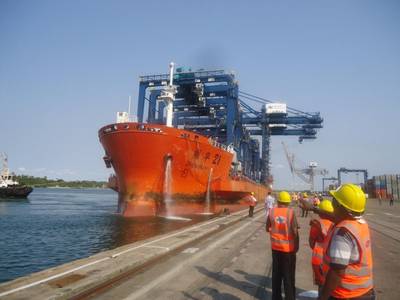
{"x": 386, "y": 186}
{"x": 395, "y": 192}
{"x": 370, "y": 188}
{"x": 388, "y": 180}
{"x": 382, "y": 180}
{"x": 377, "y": 186}
{"x": 377, "y": 193}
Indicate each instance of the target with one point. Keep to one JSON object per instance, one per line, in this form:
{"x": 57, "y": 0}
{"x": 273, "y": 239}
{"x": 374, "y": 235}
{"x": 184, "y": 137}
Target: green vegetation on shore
{"x": 45, "y": 182}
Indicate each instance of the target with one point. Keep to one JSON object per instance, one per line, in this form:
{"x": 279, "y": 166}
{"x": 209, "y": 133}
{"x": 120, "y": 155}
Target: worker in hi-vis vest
{"x": 319, "y": 230}
{"x": 252, "y": 203}
{"x": 283, "y": 228}
{"x": 348, "y": 257}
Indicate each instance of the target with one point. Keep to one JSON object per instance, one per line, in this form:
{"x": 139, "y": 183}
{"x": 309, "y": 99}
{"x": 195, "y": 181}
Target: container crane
{"x": 327, "y": 179}
{"x": 306, "y": 174}
{"x": 209, "y": 102}
{"x": 345, "y": 170}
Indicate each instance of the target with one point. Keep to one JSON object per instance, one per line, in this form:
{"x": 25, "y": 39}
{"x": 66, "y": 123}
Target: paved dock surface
{"x": 236, "y": 264}
{"x": 230, "y": 259}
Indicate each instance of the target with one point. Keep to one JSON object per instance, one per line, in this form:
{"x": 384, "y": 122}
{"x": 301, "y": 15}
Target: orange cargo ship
{"x": 165, "y": 171}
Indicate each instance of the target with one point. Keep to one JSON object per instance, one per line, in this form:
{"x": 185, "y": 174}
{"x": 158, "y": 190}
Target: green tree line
{"x": 45, "y": 182}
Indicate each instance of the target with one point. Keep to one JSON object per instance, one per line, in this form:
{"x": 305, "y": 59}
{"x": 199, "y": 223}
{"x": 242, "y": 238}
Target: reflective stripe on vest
{"x": 357, "y": 278}
{"x": 326, "y": 258}
{"x": 318, "y": 252}
{"x": 281, "y": 233}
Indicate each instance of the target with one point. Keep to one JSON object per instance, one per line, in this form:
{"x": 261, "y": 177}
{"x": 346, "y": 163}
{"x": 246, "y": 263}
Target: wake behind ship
{"x": 191, "y": 156}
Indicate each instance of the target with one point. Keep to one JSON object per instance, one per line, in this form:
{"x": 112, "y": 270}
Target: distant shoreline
{"x": 69, "y": 187}
{"x": 44, "y": 182}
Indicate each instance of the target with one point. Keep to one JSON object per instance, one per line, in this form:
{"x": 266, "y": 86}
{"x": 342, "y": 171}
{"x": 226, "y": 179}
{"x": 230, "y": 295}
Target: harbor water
{"x": 55, "y": 226}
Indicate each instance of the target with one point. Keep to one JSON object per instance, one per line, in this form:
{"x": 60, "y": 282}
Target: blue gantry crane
{"x": 333, "y": 179}
{"x": 209, "y": 102}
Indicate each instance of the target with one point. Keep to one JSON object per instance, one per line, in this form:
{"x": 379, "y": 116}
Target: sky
{"x": 67, "y": 67}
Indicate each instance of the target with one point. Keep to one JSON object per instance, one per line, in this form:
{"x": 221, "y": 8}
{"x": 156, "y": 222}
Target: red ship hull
{"x": 168, "y": 171}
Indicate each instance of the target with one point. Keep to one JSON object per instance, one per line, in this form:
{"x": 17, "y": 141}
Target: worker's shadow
{"x": 263, "y": 284}
{"x": 254, "y": 285}
{"x": 266, "y": 283}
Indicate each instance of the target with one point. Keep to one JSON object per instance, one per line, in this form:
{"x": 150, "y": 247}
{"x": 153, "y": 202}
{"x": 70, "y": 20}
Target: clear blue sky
{"x": 66, "y": 68}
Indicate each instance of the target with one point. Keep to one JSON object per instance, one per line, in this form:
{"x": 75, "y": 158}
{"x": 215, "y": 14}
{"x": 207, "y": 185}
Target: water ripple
{"x": 56, "y": 226}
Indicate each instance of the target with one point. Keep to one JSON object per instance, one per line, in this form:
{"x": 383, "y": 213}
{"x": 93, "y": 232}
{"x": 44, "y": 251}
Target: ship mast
{"x": 168, "y": 95}
{"x": 5, "y": 171}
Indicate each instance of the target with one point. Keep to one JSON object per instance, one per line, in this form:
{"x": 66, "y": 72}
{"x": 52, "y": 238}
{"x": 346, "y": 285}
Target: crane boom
{"x": 290, "y": 158}
{"x": 305, "y": 174}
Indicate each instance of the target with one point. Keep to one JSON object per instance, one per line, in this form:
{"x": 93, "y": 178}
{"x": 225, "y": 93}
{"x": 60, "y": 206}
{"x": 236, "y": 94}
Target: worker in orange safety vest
{"x": 283, "y": 228}
{"x": 316, "y": 200}
{"x": 348, "y": 254}
{"x": 317, "y": 239}
{"x": 252, "y": 203}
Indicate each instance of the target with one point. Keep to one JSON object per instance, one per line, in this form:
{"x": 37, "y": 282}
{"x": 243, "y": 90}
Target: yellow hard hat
{"x": 284, "y": 197}
{"x": 326, "y": 206}
{"x": 350, "y": 196}
{"x": 305, "y": 195}
{"x": 252, "y": 193}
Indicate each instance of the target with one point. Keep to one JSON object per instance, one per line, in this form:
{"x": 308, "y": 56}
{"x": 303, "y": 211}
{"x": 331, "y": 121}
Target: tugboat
{"x": 10, "y": 188}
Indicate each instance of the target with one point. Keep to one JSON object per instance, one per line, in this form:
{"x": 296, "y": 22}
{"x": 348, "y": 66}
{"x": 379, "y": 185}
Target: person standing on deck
{"x": 252, "y": 203}
{"x": 391, "y": 201}
{"x": 348, "y": 254}
{"x": 269, "y": 204}
{"x": 283, "y": 228}
{"x": 304, "y": 206}
{"x": 295, "y": 199}
{"x": 316, "y": 200}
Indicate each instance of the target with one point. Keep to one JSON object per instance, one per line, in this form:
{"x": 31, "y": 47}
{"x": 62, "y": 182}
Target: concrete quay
{"x": 223, "y": 258}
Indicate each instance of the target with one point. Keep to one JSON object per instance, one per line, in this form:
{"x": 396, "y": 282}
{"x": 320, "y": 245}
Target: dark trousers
{"x": 283, "y": 269}
{"x": 251, "y": 211}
